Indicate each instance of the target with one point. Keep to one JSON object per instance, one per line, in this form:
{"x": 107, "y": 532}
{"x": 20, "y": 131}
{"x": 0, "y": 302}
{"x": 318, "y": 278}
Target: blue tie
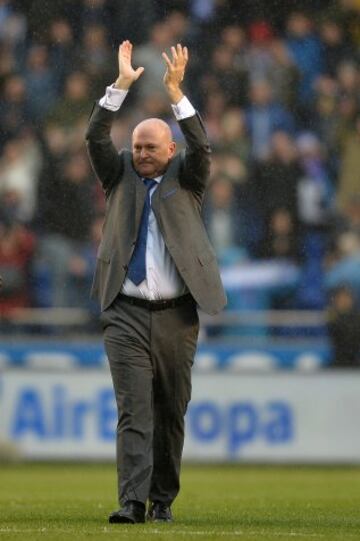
{"x": 137, "y": 266}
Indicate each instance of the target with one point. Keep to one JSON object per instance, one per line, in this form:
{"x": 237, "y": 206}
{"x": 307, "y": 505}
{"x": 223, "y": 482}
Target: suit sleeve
{"x": 196, "y": 162}
{"x": 107, "y": 163}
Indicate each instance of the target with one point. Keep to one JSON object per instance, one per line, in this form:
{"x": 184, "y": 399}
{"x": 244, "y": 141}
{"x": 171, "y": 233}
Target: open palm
{"x": 126, "y": 71}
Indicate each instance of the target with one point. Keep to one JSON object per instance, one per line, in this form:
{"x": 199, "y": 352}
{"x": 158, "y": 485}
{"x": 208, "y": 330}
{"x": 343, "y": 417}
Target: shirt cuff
{"x": 113, "y": 98}
{"x": 183, "y": 109}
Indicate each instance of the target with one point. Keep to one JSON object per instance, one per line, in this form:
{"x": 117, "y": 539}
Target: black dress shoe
{"x": 132, "y": 513}
{"x": 160, "y": 512}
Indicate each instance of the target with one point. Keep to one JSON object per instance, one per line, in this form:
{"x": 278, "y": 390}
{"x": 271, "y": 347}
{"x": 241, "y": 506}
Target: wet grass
{"x": 72, "y": 501}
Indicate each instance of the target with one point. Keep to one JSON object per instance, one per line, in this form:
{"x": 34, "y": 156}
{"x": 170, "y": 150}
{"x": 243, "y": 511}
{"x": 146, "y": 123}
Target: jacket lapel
{"x": 169, "y": 184}
{"x": 140, "y": 194}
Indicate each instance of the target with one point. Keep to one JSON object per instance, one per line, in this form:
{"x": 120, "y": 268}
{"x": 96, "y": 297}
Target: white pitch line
{"x": 237, "y": 533}
{"x": 106, "y": 530}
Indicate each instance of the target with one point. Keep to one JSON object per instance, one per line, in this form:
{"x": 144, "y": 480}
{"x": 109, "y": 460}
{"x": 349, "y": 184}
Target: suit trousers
{"x": 150, "y": 355}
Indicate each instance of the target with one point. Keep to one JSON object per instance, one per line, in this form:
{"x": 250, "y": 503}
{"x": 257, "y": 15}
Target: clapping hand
{"x": 175, "y": 71}
{"x": 127, "y": 74}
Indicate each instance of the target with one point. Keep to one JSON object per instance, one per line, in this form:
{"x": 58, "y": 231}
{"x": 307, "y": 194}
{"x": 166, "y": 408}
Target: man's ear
{"x": 172, "y": 149}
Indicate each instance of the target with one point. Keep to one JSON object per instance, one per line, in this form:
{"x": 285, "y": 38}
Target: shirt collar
{"x": 157, "y": 179}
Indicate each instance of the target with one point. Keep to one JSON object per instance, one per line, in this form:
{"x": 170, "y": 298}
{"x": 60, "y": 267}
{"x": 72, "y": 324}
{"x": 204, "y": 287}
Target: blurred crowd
{"x": 277, "y": 84}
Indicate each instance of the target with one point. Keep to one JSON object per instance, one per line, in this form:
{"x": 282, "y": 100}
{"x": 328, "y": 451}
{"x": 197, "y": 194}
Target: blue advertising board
{"x": 266, "y": 418}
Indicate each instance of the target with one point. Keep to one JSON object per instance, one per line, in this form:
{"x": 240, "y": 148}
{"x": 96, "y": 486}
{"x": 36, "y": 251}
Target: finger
{"x": 167, "y": 60}
{"x": 121, "y": 51}
{"x": 174, "y": 53}
{"x": 179, "y": 51}
{"x": 124, "y": 47}
{"x": 139, "y": 72}
{"x": 186, "y": 54}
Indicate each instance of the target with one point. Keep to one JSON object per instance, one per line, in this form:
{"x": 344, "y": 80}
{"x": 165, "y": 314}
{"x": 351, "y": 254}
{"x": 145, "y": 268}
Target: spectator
{"x": 14, "y": 112}
{"x": 350, "y": 14}
{"x": 7, "y": 63}
{"x": 233, "y": 135}
{"x": 55, "y": 152}
{"x": 351, "y": 216}
{"x": 343, "y": 267}
{"x": 348, "y": 111}
{"x": 81, "y": 267}
{"x": 349, "y": 177}
{"x": 213, "y": 113}
{"x": 225, "y": 77}
{"x": 276, "y": 180}
{"x": 336, "y": 47}
{"x": 225, "y": 222}
{"x": 264, "y": 117}
{"x": 95, "y": 58}
{"x": 315, "y": 189}
{"x": 149, "y": 56}
{"x": 344, "y": 328}
{"x": 40, "y": 83}
{"x": 281, "y": 240}
{"x": 283, "y": 75}
{"x": 20, "y": 165}
{"x": 349, "y": 79}
{"x": 259, "y": 54}
{"x": 12, "y": 24}
{"x": 74, "y": 105}
{"x": 94, "y": 12}
{"x": 61, "y": 51}
{"x": 233, "y": 37}
{"x": 326, "y": 114}
{"x": 17, "y": 246}
{"x": 306, "y": 50}
{"x": 125, "y": 15}
{"x": 204, "y": 10}
{"x": 179, "y": 26}
{"x": 66, "y": 222}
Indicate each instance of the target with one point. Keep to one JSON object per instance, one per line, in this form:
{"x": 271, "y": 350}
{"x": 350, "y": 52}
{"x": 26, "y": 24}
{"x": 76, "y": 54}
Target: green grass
{"x": 71, "y": 502}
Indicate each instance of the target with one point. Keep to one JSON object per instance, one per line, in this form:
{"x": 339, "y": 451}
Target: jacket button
{"x": 125, "y": 267}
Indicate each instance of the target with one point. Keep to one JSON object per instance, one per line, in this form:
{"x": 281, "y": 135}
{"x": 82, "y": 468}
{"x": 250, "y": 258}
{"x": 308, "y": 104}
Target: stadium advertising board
{"x": 278, "y": 417}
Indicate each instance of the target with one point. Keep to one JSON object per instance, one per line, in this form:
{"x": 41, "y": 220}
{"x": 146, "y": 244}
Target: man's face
{"x": 152, "y": 148}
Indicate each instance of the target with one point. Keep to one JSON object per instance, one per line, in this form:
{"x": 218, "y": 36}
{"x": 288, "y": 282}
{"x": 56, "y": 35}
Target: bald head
{"x": 154, "y": 127}
{"x": 152, "y": 147}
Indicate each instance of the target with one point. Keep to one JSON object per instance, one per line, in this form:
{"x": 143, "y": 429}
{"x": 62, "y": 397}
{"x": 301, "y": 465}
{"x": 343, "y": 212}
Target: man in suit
{"x": 155, "y": 265}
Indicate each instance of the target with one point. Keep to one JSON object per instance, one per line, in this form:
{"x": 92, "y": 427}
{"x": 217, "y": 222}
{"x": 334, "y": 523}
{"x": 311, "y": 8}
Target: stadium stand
{"x": 279, "y": 93}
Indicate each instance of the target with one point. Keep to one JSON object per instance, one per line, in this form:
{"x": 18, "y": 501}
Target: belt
{"x": 156, "y": 305}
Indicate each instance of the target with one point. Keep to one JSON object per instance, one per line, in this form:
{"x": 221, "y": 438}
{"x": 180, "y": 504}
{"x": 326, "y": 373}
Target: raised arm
{"x": 127, "y": 74}
{"x": 175, "y": 72}
{"x": 196, "y": 164}
{"x": 106, "y": 160}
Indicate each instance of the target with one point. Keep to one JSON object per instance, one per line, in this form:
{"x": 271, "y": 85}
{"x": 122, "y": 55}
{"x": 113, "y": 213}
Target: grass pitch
{"x": 72, "y": 501}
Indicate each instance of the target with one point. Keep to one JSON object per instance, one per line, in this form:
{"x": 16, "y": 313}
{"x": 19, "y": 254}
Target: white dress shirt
{"x": 162, "y": 278}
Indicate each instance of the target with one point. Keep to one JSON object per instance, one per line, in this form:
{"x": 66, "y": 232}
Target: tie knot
{"x": 149, "y": 183}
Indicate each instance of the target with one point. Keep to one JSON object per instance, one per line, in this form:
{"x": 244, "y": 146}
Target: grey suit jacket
{"x": 176, "y": 204}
